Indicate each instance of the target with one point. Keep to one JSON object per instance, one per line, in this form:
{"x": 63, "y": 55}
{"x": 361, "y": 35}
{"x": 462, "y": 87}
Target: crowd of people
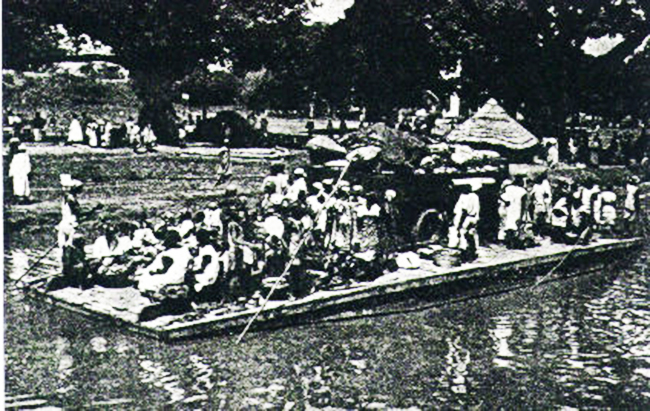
{"x": 567, "y": 212}
{"x": 227, "y": 251}
{"x": 97, "y": 132}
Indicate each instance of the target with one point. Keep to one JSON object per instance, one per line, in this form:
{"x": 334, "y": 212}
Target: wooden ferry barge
{"x": 496, "y": 270}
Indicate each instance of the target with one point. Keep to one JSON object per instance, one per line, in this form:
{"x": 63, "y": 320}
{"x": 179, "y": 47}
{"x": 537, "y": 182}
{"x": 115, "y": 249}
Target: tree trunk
{"x": 155, "y": 92}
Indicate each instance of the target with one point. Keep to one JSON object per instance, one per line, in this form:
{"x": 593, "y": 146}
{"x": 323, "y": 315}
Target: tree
{"x": 158, "y": 41}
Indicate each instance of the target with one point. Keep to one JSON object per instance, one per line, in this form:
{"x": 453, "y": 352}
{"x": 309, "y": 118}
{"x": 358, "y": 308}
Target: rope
{"x": 303, "y": 239}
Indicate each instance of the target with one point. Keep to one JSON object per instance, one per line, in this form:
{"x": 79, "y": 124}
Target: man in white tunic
{"x": 75, "y": 133}
{"x": 605, "y": 210}
{"x": 463, "y": 234}
{"x": 19, "y": 171}
{"x": 513, "y": 199}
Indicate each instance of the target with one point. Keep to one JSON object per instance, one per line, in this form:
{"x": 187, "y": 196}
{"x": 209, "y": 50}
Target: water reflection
{"x": 157, "y": 375}
{"x": 575, "y": 344}
{"x": 501, "y": 332}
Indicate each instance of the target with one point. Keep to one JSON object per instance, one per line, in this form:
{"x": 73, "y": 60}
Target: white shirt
{"x": 211, "y": 272}
{"x": 513, "y": 197}
{"x": 542, "y": 196}
{"x": 294, "y": 190}
{"x": 20, "y": 166}
{"x": 630, "y": 198}
{"x": 175, "y": 274}
{"x": 75, "y": 134}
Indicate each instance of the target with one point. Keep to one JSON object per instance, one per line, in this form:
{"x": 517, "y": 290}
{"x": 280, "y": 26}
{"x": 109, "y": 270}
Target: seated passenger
{"x": 297, "y": 188}
{"x": 560, "y": 216}
{"x": 213, "y": 219}
{"x": 165, "y": 276}
{"x": 207, "y": 267}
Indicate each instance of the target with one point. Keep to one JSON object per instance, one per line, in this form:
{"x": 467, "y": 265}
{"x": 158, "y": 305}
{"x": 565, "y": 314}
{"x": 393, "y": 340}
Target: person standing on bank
{"x": 19, "y": 170}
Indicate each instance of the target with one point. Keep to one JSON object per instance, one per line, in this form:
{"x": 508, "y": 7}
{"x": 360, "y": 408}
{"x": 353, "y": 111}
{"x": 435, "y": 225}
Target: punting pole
{"x": 31, "y": 267}
{"x": 295, "y": 253}
{"x": 582, "y": 235}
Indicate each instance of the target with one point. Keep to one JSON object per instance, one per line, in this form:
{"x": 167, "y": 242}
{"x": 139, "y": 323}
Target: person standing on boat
{"x": 605, "y": 211}
{"x": 587, "y": 196}
{"x": 513, "y": 198}
{"x": 463, "y": 234}
{"x": 19, "y": 170}
{"x": 630, "y": 204}
{"x": 542, "y": 202}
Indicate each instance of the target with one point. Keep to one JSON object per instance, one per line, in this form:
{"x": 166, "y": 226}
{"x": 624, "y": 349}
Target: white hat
{"x": 299, "y": 171}
{"x": 68, "y": 181}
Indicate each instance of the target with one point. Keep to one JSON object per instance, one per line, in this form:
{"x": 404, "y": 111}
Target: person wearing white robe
{"x": 630, "y": 204}
{"x": 513, "y": 199}
{"x": 19, "y": 170}
{"x": 542, "y": 200}
{"x": 167, "y": 269}
{"x": 605, "y": 210}
{"x": 91, "y": 132}
{"x": 463, "y": 232}
{"x": 297, "y": 186}
{"x": 75, "y": 133}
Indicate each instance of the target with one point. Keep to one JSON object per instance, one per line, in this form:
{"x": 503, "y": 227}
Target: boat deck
{"x": 496, "y": 269}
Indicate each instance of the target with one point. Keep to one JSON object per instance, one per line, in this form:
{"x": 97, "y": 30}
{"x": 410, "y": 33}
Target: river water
{"x": 582, "y": 343}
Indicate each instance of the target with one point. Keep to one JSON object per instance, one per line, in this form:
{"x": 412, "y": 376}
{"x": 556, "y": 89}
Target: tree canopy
{"x": 383, "y": 55}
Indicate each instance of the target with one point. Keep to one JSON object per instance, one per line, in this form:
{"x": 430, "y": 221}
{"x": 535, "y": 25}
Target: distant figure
{"x": 91, "y": 132}
{"x": 75, "y": 133}
{"x": 552, "y": 154}
{"x": 19, "y": 170}
{"x": 278, "y": 178}
{"x": 362, "y": 117}
{"x": 463, "y": 234}
{"x": 343, "y": 128}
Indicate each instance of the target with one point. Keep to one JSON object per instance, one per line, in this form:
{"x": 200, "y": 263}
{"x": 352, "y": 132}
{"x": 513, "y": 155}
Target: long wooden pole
{"x": 304, "y": 238}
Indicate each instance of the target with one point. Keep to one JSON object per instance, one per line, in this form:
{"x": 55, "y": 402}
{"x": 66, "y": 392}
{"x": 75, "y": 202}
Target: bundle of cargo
{"x": 455, "y": 158}
{"x": 387, "y": 145}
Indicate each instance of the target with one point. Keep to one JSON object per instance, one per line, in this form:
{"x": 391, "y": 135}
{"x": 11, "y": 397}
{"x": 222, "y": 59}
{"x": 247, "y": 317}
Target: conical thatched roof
{"x": 491, "y": 125}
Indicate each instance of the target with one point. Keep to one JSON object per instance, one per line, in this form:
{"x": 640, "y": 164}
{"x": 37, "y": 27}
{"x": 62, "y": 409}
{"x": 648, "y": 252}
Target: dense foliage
{"x": 384, "y": 55}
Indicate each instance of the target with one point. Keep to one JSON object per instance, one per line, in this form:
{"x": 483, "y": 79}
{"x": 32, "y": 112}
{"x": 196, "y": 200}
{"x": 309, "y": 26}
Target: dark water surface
{"x": 581, "y": 343}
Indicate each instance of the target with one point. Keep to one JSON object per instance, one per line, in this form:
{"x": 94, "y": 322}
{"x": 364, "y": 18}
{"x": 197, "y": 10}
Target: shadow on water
{"x": 583, "y": 342}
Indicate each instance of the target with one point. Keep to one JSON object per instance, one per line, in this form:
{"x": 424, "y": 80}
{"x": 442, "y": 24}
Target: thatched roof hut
{"x": 492, "y": 126}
